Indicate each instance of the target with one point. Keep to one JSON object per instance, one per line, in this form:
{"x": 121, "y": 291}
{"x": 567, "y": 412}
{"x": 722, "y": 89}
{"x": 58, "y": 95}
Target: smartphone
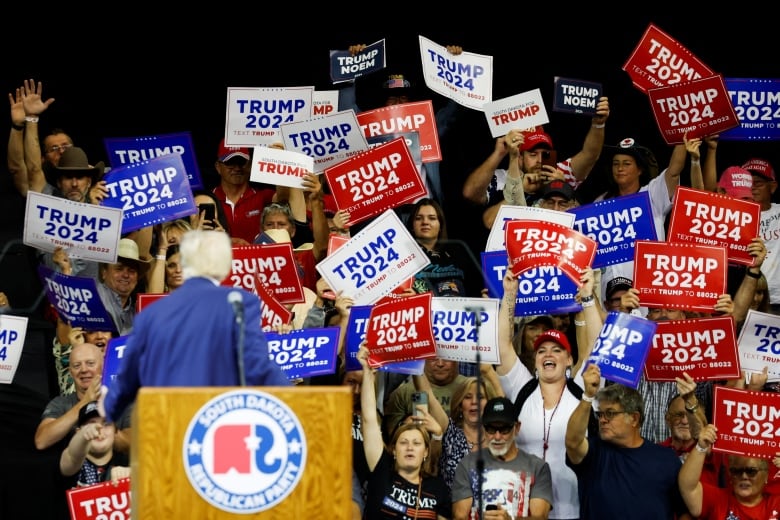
{"x": 491, "y": 507}
{"x": 419, "y": 398}
{"x": 210, "y": 214}
{"x": 550, "y": 158}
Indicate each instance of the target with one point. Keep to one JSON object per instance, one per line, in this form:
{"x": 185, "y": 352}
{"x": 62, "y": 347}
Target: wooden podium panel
{"x": 160, "y": 487}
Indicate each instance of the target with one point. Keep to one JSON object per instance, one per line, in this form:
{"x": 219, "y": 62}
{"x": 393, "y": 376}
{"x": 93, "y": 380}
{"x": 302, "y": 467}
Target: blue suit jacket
{"x": 190, "y": 338}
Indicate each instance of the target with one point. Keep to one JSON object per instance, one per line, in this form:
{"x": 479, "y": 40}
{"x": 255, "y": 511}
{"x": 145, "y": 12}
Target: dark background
{"x": 147, "y": 72}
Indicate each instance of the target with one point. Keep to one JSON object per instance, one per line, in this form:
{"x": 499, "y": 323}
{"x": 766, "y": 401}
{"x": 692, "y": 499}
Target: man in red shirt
{"x": 242, "y": 202}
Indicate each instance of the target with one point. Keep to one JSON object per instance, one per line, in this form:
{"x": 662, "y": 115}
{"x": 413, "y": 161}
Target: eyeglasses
{"x": 748, "y": 470}
{"x": 677, "y": 416}
{"x": 59, "y": 148}
{"x": 503, "y": 430}
{"x": 608, "y": 414}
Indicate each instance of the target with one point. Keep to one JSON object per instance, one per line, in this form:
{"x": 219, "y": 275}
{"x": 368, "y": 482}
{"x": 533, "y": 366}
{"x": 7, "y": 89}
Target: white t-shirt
{"x": 770, "y": 232}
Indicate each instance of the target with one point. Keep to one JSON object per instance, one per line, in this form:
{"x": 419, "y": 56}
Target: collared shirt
{"x": 244, "y": 218}
{"x": 122, "y": 315}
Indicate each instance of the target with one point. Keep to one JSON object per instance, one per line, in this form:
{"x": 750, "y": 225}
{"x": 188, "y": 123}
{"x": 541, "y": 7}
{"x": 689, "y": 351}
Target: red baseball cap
{"x": 555, "y": 336}
{"x": 737, "y": 182}
{"x": 535, "y": 139}
{"x": 225, "y": 153}
{"x": 760, "y": 167}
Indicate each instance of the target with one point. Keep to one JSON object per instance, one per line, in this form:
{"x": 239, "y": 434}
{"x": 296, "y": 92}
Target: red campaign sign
{"x": 274, "y": 264}
{"x": 376, "y": 180}
{"x": 659, "y": 60}
{"x": 143, "y": 300}
{"x": 399, "y": 329}
{"x": 272, "y": 312}
{"x": 417, "y": 117}
{"x": 748, "y": 422}
{"x": 714, "y": 219}
{"x": 697, "y": 108}
{"x": 679, "y": 276}
{"x": 532, "y": 243}
{"x": 706, "y": 348}
{"x": 100, "y": 501}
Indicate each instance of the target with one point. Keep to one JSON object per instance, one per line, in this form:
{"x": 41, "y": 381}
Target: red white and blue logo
{"x": 244, "y": 451}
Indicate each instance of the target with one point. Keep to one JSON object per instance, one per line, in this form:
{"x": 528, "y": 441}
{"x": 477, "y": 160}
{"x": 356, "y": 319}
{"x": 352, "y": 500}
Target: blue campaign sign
{"x": 123, "y": 151}
{"x": 345, "y": 67}
{"x": 150, "y": 192}
{"x": 356, "y": 333}
{"x": 576, "y": 96}
{"x": 305, "y": 352}
{"x": 615, "y": 224}
{"x": 540, "y": 290}
{"x": 76, "y": 300}
{"x": 115, "y": 349}
{"x": 755, "y": 102}
{"x": 622, "y": 347}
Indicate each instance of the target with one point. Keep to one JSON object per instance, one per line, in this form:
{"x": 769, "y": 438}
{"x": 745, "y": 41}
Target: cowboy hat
{"x": 74, "y": 163}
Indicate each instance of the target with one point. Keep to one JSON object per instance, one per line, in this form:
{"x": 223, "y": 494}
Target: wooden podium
{"x": 161, "y": 487}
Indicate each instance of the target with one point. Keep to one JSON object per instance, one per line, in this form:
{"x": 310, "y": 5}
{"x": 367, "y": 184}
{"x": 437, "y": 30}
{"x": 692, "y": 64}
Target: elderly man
{"x": 619, "y": 473}
{"x": 513, "y": 482}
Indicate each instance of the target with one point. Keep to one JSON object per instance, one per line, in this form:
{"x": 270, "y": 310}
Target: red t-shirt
{"x": 720, "y": 504}
{"x": 245, "y": 217}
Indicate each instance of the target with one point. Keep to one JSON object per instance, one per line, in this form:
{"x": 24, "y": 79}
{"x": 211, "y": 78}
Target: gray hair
{"x": 628, "y": 398}
{"x": 206, "y": 253}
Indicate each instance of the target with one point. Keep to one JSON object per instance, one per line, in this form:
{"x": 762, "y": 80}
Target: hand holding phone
{"x": 419, "y": 399}
{"x": 209, "y": 214}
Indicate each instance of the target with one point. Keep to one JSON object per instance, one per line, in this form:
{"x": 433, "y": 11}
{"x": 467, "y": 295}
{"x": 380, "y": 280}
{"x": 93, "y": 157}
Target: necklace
{"x": 545, "y": 425}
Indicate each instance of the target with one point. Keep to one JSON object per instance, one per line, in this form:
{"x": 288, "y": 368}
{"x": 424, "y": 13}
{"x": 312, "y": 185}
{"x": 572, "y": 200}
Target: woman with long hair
{"x": 400, "y": 486}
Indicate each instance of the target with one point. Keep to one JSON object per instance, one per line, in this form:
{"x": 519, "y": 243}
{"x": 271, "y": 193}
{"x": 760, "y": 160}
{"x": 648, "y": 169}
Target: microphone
{"x": 234, "y": 298}
{"x": 477, "y": 310}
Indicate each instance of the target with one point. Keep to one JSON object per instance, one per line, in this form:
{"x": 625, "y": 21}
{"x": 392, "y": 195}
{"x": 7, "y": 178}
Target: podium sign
{"x": 192, "y": 451}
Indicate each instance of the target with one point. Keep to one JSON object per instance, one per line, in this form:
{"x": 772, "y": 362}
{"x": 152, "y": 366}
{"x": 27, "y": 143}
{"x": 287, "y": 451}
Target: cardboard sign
{"x": 100, "y": 501}
{"x": 622, "y": 347}
{"x": 374, "y": 181}
{"x": 115, "y": 350}
{"x": 759, "y": 344}
{"x": 76, "y": 300}
{"x": 705, "y": 348}
{"x": 328, "y": 140}
{"x": 305, "y": 352}
{"x": 531, "y": 244}
{"x": 151, "y": 192}
{"x": 525, "y": 110}
{"x": 272, "y": 312}
{"x": 279, "y": 167}
{"x": 455, "y": 328}
{"x": 576, "y": 96}
{"x": 345, "y": 67}
{"x": 122, "y": 151}
{"x": 466, "y": 78}
{"x": 324, "y": 102}
{"x": 540, "y": 290}
{"x": 506, "y": 212}
{"x": 400, "y": 330}
{"x": 697, "y": 108}
{"x": 143, "y": 300}
{"x": 713, "y": 219}
{"x": 417, "y": 117}
{"x": 616, "y": 224}
{"x": 84, "y": 230}
{"x": 13, "y": 330}
{"x": 755, "y": 103}
{"x": 273, "y": 264}
{"x": 747, "y": 421}
{"x": 375, "y": 261}
{"x": 253, "y": 115}
{"x": 659, "y": 60}
{"x": 678, "y": 275}
{"x": 335, "y": 242}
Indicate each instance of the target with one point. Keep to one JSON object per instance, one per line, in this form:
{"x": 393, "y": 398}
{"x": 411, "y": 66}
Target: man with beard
{"x": 512, "y": 482}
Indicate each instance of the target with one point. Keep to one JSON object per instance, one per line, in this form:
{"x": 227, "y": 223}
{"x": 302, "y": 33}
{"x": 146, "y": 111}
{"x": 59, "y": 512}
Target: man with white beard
{"x": 513, "y": 482}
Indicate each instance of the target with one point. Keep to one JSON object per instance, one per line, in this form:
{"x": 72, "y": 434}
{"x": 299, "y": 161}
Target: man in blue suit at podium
{"x": 201, "y": 334}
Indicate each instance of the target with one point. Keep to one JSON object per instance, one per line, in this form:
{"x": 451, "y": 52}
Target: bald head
{"x": 85, "y": 365}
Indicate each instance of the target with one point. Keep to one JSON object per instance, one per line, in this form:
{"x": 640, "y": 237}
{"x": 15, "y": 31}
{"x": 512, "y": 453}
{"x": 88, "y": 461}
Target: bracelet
{"x": 752, "y": 274}
{"x": 700, "y": 449}
{"x": 694, "y": 161}
{"x": 160, "y": 257}
{"x": 31, "y": 119}
{"x": 588, "y": 303}
{"x": 602, "y": 125}
{"x": 587, "y": 398}
{"x": 17, "y": 127}
{"x": 435, "y": 437}
{"x": 578, "y": 323}
{"x": 691, "y": 409}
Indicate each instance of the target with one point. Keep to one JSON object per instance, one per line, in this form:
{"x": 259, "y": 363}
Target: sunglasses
{"x": 748, "y": 470}
{"x": 608, "y": 414}
{"x": 503, "y": 430}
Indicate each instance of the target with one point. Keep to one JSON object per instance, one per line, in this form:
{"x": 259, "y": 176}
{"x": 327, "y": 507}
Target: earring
{"x": 536, "y": 373}
{"x": 568, "y": 372}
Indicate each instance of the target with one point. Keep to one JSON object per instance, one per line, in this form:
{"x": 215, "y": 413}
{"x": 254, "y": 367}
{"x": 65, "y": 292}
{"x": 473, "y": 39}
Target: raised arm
{"x": 34, "y": 106}
{"x": 743, "y": 297}
{"x": 312, "y": 188}
{"x": 689, "y": 477}
{"x": 675, "y": 168}
{"x": 588, "y": 333}
{"x": 583, "y": 161}
{"x": 373, "y": 445}
{"x": 710, "y": 166}
{"x": 577, "y": 428}
{"x": 476, "y": 185}
{"x": 693, "y": 148}
{"x": 15, "y": 157}
{"x": 506, "y": 324}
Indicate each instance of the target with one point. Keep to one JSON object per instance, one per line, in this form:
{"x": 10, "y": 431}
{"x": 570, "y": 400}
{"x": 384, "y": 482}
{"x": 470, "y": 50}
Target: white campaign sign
{"x": 375, "y": 261}
{"x": 455, "y": 330}
{"x": 280, "y": 167}
{"x": 759, "y": 344}
{"x": 13, "y": 330}
{"x": 522, "y": 111}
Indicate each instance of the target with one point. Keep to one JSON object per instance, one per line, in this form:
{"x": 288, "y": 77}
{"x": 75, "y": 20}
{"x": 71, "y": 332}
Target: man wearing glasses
{"x": 513, "y": 482}
{"x": 619, "y": 473}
